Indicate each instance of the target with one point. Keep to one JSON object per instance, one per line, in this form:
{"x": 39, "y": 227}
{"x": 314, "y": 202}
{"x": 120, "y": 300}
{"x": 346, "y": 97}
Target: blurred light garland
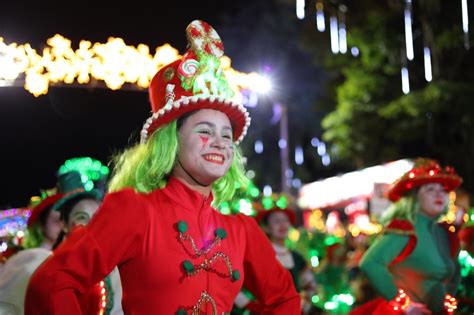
{"x": 91, "y": 170}
{"x": 114, "y": 63}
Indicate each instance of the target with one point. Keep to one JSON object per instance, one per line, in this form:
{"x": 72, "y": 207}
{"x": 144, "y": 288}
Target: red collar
{"x": 185, "y": 196}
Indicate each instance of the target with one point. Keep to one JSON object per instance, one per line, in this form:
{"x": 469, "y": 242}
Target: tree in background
{"x": 371, "y": 119}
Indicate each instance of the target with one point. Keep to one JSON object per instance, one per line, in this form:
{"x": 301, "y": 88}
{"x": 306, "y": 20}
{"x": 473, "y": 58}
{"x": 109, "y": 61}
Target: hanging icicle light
{"x": 355, "y": 51}
{"x": 342, "y": 29}
{"x": 321, "y": 148}
{"x": 465, "y": 23}
{"x": 405, "y": 81}
{"x": 427, "y": 58}
{"x": 300, "y": 9}
{"x": 334, "y": 34}
{"x": 282, "y": 143}
{"x": 326, "y": 160}
{"x": 258, "y": 147}
{"x": 408, "y": 30}
{"x": 299, "y": 155}
{"x": 320, "y": 22}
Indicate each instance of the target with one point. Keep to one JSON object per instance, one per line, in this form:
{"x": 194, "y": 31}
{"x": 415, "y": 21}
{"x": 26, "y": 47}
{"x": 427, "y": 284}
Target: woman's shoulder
{"x": 127, "y": 196}
{"x": 399, "y": 226}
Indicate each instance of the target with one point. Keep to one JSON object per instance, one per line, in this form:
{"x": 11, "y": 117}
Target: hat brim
{"x": 262, "y": 215}
{"x": 94, "y": 194}
{"x": 401, "y": 187}
{"x": 41, "y": 207}
{"x": 237, "y": 114}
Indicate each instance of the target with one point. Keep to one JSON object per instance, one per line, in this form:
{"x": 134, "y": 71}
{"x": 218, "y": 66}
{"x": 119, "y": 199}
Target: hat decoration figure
{"x": 195, "y": 82}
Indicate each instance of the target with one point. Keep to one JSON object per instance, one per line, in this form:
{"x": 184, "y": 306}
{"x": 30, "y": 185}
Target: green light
{"x": 225, "y": 208}
{"x": 96, "y": 165}
{"x": 281, "y": 202}
{"x": 330, "y": 305}
{"x": 267, "y": 203}
{"x": 84, "y": 178}
{"x": 104, "y": 170}
{"x": 315, "y": 299}
{"x": 254, "y": 192}
{"x": 89, "y": 186}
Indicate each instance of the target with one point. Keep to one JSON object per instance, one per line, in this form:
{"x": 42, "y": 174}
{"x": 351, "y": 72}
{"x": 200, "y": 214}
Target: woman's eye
{"x": 227, "y": 137}
{"x": 205, "y": 132}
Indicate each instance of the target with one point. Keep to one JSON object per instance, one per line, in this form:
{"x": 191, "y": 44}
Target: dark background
{"x": 37, "y": 134}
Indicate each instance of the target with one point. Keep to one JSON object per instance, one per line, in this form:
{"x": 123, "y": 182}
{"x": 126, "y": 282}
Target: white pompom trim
{"x": 189, "y": 101}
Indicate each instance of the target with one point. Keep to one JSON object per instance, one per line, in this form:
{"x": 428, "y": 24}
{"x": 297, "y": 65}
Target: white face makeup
{"x": 433, "y": 199}
{"x": 82, "y": 212}
{"x": 206, "y": 147}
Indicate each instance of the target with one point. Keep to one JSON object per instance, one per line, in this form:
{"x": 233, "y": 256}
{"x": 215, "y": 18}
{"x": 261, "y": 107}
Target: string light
{"x": 300, "y": 4}
{"x": 320, "y": 21}
{"x": 267, "y": 190}
{"x": 315, "y": 142}
{"x": 408, "y": 31}
{"x": 321, "y": 148}
{"x": 334, "y": 34}
{"x": 113, "y": 62}
{"x": 258, "y": 146}
{"x": 299, "y": 155}
{"x": 465, "y": 23}
{"x": 342, "y": 30}
{"x": 355, "y": 51}
{"x": 405, "y": 81}
{"x": 427, "y": 58}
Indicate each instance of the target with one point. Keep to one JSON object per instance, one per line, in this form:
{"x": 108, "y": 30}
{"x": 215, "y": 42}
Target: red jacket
{"x": 140, "y": 233}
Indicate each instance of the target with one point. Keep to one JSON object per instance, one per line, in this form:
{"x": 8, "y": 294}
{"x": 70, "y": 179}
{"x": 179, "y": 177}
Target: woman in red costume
{"x": 176, "y": 254}
{"x": 413, "y": 265}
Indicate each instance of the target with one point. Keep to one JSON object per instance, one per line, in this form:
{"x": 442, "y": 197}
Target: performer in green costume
{"x": 413, "y": 265}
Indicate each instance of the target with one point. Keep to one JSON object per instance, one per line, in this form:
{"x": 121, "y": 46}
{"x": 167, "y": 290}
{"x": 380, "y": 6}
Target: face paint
{"x": 205, "y": 146}
{"x": 204, "y": 141}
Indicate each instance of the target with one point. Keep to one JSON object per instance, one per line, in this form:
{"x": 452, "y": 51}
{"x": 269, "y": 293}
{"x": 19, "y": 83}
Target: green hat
{"x": 71, "y": 186}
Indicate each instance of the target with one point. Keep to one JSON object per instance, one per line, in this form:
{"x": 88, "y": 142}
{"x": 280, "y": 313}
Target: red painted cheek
{"x": 204, "y": 141}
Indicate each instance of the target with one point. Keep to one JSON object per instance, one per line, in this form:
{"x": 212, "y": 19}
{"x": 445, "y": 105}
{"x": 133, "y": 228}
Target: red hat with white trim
{"x": 42, "y": 206}
{"x": 195, "y": 82}
{"x": 424, "y": 171}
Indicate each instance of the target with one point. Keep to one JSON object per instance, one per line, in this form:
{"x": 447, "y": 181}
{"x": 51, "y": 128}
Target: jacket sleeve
{"x": 83, "y": 260}
{"x": 265, "y": 277}
{"x": 377, "y": 259}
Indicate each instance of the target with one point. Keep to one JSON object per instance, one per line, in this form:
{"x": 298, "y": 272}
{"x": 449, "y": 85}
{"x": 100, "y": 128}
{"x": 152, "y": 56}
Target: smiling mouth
{"x": 214, "y": 158}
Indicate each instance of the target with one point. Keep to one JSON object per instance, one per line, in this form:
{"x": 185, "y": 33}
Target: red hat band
{"x": 195, "y": 82}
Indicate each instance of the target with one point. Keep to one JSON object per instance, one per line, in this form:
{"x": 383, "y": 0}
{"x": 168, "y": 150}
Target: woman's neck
{"x": 278, "y": 242}
{"x": 183, "y": 177}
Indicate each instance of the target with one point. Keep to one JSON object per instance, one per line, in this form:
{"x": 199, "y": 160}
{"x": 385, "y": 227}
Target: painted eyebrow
{"x": 212, "y": 125}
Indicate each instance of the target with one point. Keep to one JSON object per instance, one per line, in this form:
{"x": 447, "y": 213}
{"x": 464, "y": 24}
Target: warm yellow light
{"x": 114, "y": 62}
{"x": 294, "y": 235}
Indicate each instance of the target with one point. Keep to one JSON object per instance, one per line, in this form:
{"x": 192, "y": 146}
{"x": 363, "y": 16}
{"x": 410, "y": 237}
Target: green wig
{"x": 147, "y": 166}
{"x": 34, "y": 236}
{"x": 406, "y": 208}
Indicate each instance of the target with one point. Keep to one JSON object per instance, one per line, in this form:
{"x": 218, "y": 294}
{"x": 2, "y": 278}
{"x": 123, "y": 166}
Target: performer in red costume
{"x": 414, "y": 263}
{"x": 176, "y": 254}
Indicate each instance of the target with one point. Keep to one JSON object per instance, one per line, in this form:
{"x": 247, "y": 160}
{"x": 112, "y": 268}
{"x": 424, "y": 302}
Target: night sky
{"x": 37, "y": 134}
